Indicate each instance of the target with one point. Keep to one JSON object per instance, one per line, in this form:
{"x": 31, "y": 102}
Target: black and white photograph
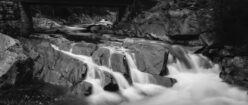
{"x": 123, "y": 52}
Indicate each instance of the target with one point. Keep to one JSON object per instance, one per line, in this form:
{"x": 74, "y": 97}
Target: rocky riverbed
{"x": 39, "y": 74}
{"x": 36, "y": 61}
{"x": 48, "y": 67}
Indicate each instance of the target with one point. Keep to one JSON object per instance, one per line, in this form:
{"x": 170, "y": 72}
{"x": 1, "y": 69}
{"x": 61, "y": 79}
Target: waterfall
{"x": 198, "y": 82}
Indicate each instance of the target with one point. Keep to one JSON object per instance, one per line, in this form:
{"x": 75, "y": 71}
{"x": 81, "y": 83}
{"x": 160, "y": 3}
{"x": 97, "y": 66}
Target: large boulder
{"x": 117, "y": 63}
{"x": 7, "y": 58}
{"x": 150, "y": 58}
{"x": 52, "y": 66}
{"x": 10, "y": 55}
{"x": 101, "y": 57}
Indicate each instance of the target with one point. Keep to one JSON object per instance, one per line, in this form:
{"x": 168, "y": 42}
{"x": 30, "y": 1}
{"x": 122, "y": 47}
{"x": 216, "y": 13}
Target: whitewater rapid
{"x": 198, "y": 85}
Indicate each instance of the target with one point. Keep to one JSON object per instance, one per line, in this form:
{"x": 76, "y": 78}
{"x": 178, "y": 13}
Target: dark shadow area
{"x": 231, "y": 18}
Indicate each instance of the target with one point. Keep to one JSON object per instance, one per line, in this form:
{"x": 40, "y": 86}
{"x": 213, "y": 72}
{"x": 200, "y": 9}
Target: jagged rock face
{"x": 10, "y": 55}
{"x": 57, "y": 68}
{"x": 54, "y": 67}
{"x": 176, "y": 21}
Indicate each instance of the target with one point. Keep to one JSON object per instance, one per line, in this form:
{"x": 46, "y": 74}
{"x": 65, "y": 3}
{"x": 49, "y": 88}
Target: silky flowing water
{"x": 197, "y": 85}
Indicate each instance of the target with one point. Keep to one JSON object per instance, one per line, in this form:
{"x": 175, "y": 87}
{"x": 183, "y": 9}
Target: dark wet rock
{"x": 235, "y": 70}
{"x": 83, "y": 48}
{"x": 110, "y": 83}
{"x": 101, "y": 56}
{"x": 164, "y": 81}
{"x": 150, "y": 58}
{"x": 117, "y": 63}
{"x": 82, "y": 89}
{"x": 175, "y": 21}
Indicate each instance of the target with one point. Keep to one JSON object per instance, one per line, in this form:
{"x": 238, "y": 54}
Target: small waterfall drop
{"x": 198, "y": 82}
{"x": 137, "y": 76}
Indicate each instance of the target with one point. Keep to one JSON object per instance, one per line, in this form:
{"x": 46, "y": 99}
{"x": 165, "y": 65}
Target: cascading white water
{"x": 197, "y": 85}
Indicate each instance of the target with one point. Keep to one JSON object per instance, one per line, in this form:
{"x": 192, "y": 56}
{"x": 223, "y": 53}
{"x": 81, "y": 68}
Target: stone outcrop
{"x": 175, "y": 21}
{"x": 118, "y": 63}
{"x": 10, "y": 55}
{"x": 150, "y": 58}
{"x": 54, "y": 67}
